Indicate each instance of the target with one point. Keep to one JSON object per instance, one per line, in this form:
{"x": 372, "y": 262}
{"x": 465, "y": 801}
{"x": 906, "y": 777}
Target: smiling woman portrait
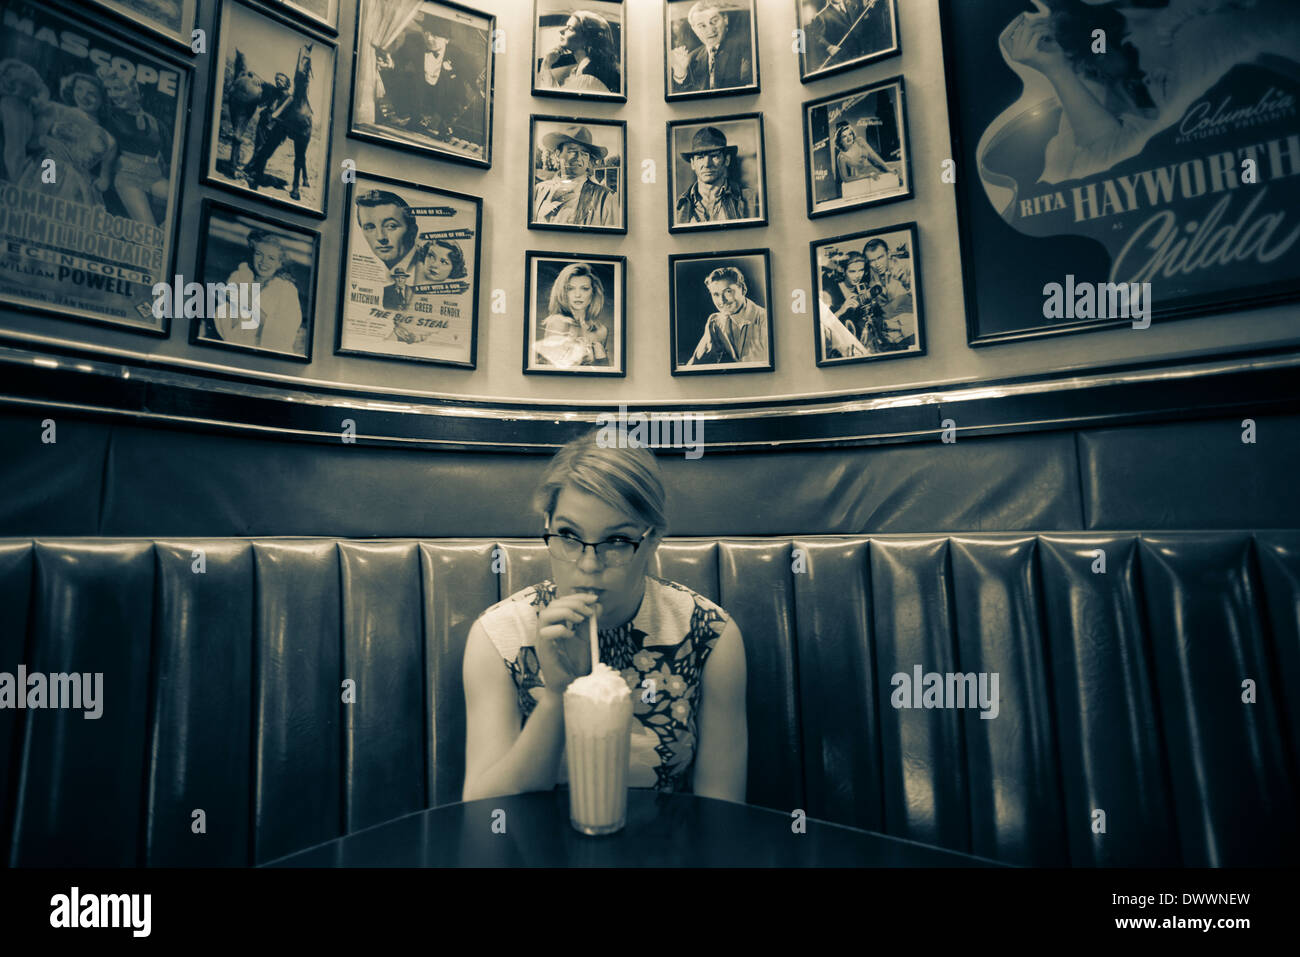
{"x": 680, "y": 654}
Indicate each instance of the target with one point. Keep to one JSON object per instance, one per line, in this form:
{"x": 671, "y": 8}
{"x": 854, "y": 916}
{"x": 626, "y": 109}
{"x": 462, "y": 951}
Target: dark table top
{"x": 663, "y": 830}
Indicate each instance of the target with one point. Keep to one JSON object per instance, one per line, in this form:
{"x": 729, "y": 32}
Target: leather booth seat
{"x": 293, "y": 690}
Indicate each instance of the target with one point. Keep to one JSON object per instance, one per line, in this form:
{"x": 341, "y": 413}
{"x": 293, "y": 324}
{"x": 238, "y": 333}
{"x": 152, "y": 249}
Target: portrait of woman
{"x": 139, "y": 180}
{"x": 858, "y": 167}
{"x": 575, "y": 323}
{"x": 280, "y": 312}
{"x": 603, "y": 514}
{"x": 439, "y": 260}
{"x": 584, "y": 56}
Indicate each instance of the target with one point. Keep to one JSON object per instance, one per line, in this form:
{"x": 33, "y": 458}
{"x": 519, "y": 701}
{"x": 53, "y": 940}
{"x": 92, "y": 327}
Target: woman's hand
{"x": 564, "y": 651}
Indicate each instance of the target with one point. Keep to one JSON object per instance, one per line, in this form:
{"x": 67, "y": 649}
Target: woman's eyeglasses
{"x": 611, "y": 551}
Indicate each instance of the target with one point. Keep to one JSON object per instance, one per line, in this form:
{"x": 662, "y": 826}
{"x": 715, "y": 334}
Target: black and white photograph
{"x": 423, "y": 75}
{"x": 575, "y": 321}
{"x": 578, "y": 179}
{"x": 717, "y": 173}
{"x": 320, "y": 13}
{"x": 1164, "y": 164}
{"x": 265, "y": 272}
{"x": 92, "y": 135}
{"x": 720, "y": 312}
{"x": 710, "y": 48}
{"x": 410, "y": 273}
{"x": 580, "y": 49}
{"x": 868, "y": 296}
{"x": 841, "y": 35}
{"x": 173, "y": 19}
{"x": 271, "y": 121}
{"x": 856, "y": 149}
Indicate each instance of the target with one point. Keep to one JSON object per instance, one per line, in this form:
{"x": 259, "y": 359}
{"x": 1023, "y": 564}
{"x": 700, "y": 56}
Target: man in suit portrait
{"x": 846, "y": 30}
{"x": 717, "y": 195}
{"x": 390, "y": 228}
{"x": 722, "y": 60}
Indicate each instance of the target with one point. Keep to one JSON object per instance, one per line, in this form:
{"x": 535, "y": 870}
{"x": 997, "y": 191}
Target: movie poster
{"x": 410, "y": 274}
{"x": 91, "y": 135}
{"x": 1144, "y": 148}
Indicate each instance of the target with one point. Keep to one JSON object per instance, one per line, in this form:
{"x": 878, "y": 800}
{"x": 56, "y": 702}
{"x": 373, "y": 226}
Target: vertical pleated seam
{"x": 11, "y": 801}
{"x": 148, "y": 806}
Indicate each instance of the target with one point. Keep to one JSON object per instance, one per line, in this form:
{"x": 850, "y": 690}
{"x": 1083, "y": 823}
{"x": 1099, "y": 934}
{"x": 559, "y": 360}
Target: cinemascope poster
{"x": 1137, "y": 142}
{"x": 90, "y": 155}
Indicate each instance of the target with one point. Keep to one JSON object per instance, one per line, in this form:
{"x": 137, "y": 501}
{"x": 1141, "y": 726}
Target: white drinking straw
{"x": 595, "y": 645}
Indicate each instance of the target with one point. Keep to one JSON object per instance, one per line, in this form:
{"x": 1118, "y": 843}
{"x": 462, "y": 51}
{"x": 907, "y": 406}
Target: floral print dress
{"x": 661, "y": 654}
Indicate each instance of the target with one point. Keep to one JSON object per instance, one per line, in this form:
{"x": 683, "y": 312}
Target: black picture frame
{"x": 894, "y": 304}
{"x": 365, "y": 111}
{"x": 734, "y": 57}
{"x": 329, "y": 23}
{"x": 302, "y": 35}
{"x": 821, "y": 161}
{"x": 137, "y": 15}
{"x": 686, "y": 336}
{"x": 815, "y": 59}
{"x": 555, "y": 13}
{"x": 1135, "y": 222}
{"x": 132, "y": 284}
{"x": 564, "y": 345}
{"x": 209, "y": 258}
{"x": 619, "y": 172}
{"x": 682, "y": 137}
{"x": 358, "y": 328}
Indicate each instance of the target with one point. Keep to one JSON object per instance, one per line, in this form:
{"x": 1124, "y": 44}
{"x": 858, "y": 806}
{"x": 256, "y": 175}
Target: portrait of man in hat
{"x": 572, "y": 196}
{"x": 717, "y": 195}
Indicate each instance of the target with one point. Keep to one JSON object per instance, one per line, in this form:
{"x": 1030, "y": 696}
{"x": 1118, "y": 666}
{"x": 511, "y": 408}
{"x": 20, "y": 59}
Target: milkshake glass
{"x": 597, "y": 732}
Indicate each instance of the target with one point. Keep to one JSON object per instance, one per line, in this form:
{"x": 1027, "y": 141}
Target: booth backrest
{"x": 263, "y": 695}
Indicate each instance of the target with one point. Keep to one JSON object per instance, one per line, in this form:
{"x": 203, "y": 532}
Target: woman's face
{"x": 569, "y": 36}
{"x": 437, "y": 265}
{"x": 618, "y": 588}
{"x": 86, "y": 95}
{"x": 266, "y": 260}
{"x": 578, "y": 292}
{"x": 847, "y": 138}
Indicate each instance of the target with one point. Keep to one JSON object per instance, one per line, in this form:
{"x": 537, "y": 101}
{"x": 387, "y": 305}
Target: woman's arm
{"x": 721, "y": 762}
{"x": 499, "y": 757}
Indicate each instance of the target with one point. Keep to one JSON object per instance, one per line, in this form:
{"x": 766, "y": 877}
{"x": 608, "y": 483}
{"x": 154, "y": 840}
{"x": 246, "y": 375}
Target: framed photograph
{"x": 1150, "y": 182}
{"x": 578, "y": 179}
{"x": 257, "y": 277}
{"x": 717, "y": 173}
{"x": 92, "y": 138}
{"x": 710, "y": 48}
{"x": 319, "y": 13}
{"x": 856, "y": 149}
{"x": 868, "y": 296}
{"x": 410, "y": 272}
{"x": 422, "y": 79}
{"x": 174, "y": 20}
{"x": 580, "y": 49}
{"x": 719, "y": 307}
{"x": 575, "y": 314}
{"x": 272, "y": 109}
{"x": 841, "y": 35}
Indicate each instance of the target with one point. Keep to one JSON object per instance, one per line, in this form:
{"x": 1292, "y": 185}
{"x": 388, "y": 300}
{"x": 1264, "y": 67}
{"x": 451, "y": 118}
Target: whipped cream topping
{"x": 604, "y": 685}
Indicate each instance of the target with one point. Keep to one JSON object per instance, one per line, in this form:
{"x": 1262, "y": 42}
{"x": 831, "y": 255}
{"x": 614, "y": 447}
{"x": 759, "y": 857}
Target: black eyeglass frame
{"x": 594, "y": 546}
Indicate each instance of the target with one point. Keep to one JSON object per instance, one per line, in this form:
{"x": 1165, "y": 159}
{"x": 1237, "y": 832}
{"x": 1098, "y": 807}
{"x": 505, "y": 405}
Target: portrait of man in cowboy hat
{"x": 571, "y": 194}
{"x": 718, "y": 195}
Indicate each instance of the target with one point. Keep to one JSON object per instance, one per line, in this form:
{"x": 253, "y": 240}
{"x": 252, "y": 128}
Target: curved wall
{"x": 648, "y": 243}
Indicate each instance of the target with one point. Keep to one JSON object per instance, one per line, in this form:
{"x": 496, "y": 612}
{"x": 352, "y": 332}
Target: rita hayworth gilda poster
{"x": 91, "y": 133}
{"x": 1131, "y": 141}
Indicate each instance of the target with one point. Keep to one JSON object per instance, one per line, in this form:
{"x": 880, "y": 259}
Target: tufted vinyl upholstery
{"x": 1119, "y": 691}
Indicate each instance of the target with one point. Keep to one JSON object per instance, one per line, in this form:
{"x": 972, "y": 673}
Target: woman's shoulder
{"x": 692, "y": 610}
{"x": 512, "y": 622}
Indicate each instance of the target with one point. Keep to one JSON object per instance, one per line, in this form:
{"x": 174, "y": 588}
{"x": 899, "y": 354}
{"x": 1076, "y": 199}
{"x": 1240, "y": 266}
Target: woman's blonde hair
{"x": 627, "y": 479}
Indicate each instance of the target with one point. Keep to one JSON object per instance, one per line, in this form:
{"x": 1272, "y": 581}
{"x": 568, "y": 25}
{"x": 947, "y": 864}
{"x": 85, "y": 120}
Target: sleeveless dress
{"x": 661, "y": 653}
